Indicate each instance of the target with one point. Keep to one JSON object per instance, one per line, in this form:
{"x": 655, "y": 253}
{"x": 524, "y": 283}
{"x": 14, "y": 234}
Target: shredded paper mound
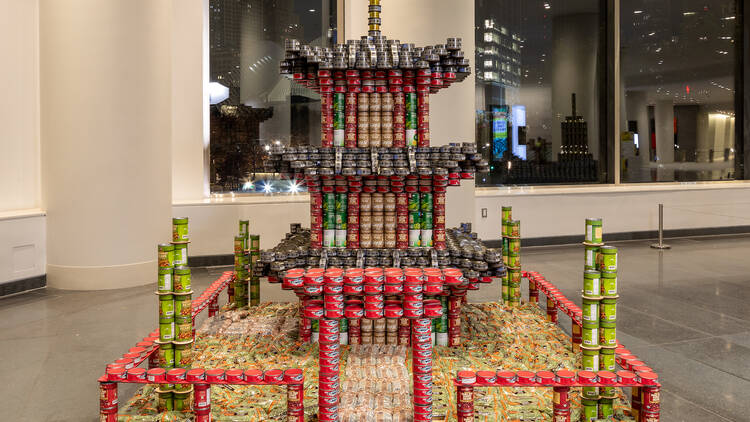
{"x": 376, "y": 379}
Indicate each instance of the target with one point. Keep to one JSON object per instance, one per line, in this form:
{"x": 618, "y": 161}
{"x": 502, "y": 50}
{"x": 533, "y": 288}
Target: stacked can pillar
{"x": 561, "y": 404}
{"x": 375, "y": 116}
{"x": 423, "y": 109}
{"x": 202, "y": 402}
{"x": 326, "y": 107}
{"x": 454, "y": 318}
{"x": 422, "y": 355}
{"x": 402, "y": 219}
{"x": 353, "y": 89}
{"x": 410, "y": 103}
{"x": 426, "y": 216}
{"x": 316, "y": 220}
{"x": 594, "y": 400}
{"x": 295, "y": 402}
{"x": 339, "y": 109}
{"x": 395, "y": 80}
{"x": 254, "y": 270}
{"x": 438, "y": 223}
{"x": 506, "y": 218}
{"x": 386, "y": 110}
{"x": 108, "y": 401}
{"x": 465, "y": 401}
{"x": 363, "y": 110}
{"x": 329, "y": 374}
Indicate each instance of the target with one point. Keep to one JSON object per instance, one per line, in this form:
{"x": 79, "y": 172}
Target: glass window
{"x": 538, "y": 97}
{"x": 252, "y": 105}
{"x": 678, "y": 90}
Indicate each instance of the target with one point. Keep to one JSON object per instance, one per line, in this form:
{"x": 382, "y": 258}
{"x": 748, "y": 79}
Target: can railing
{"x": 201, "y": 379}
{"x": 645, "y": 404}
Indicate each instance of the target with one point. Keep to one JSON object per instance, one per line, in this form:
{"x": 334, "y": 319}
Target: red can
{"x": 329, "y": 346}
{"x": 274, "y": 376}
{"x": 108, "y": 396}
{"x": 136, "y": 375}
{"x": 254, "y": 376}
{"x": 156, "y": 375}
{"x": 393, "y": 289}
{"x": 176, "y": 375}
{"x": 413, "y": 289}
{"x": 506, "y": 377}
{"x": 234, "y": 376}
{"x": 374, "y": 313}
{"x": 328, "y": 338}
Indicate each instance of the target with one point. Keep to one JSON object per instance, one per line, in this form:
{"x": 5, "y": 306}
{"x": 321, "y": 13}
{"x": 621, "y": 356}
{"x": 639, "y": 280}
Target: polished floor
{"x": 685, "y": 311}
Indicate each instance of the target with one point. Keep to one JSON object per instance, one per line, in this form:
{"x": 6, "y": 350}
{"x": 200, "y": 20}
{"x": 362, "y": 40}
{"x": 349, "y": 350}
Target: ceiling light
{"x": 311, "y": 10}
{"x": 637, "y": 12}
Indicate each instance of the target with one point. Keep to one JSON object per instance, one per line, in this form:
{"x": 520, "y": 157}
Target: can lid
{"x": 565, "y": 374}
{"x": 166, "y": 247}
{"x": 182, "y": 270}
{"x": 137, "y": 371}
{"x": 179, "y": 220}
{"x": 156, "y": 371}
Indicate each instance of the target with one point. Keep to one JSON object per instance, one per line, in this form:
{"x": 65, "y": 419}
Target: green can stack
{"x": 174, "y": 289}
{"x": 426, "y": 219}
{"x": 254, "y": 271}
{"x": 506, "y": 216}
{"x": 607, "y": 323}
{"x": 242, "y": 244}
{"x": 591, "y": 358}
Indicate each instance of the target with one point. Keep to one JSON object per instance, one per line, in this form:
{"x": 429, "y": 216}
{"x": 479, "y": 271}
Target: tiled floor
{"x": 685, "y": 311}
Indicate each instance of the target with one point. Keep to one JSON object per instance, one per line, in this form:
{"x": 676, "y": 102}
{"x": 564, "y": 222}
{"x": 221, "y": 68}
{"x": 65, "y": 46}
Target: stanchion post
{"x": 661, "y": 244}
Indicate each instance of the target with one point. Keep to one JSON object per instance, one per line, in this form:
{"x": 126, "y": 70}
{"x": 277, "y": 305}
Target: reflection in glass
{"x": 678, "y": 76}
{"x": 263, "y": 108}
{"x": 539, "y": 72}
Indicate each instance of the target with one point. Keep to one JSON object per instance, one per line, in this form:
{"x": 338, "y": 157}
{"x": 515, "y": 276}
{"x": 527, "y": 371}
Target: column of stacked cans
{"x": 239, "y": 289}
{"x": 175, "y": 316}
{"x": 598, "y": 330}
{"x": 511, "y": 258}
{"x": 254, "y": 270}
{"x": 506, "y": 218}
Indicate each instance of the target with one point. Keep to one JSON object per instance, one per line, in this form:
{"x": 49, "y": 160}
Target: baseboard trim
{"x": 24, "y": 285}
{"x": 638, "y": 235}
{"x": 211, "y": 260}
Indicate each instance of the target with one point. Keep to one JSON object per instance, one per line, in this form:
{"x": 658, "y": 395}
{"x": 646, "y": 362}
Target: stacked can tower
{"x": 598, "y": 335}
{"x": 175, "y": 317}
{"x": 254, "y": 268}
{"x": 511, "y": 283}
{"x": 246, "y": 288}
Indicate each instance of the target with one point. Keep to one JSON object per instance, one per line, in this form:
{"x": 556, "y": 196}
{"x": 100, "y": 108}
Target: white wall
{"x": 214, "y": 223}
{"x": 561, "y": 211}
{"x": 19, "y": 105}
{"x": 23, "y": 244}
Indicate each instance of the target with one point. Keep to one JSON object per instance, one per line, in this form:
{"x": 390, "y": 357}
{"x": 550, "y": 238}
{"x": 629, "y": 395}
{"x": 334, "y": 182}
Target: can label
{"x": 183, "y": 308}
{"x": 590, "y": 311}
{"x": 590, "y": 362}
{"x": 607, "y": 336}
{"x": 608, "y": 311}
{"x": 590, "y": 336}
{"x": 166, "y": 309}
{"x": 591, "y": 286}
{"x": 183, "y": 331}
{"x": 426, "y": 238}
{"x": 166, "y": 331}
{"x": 165, "y": 282}
{"x": 609, "y": 284}
{"x": 166, "y": 356}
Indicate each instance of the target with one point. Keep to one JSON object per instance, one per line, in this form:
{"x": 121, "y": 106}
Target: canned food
{"x": 591, "y": 283}
{"x": 180, "y": 229}
{"x": 590, "y": 336}
{"x": 182, "y": 280}
{"x": 608, "y": 311}
{"x": 609, "y": 258}
{"x": 166, "y": 255}
{"x": 593, "y": 231}
{"x": 591, "y": 257}
{"x": 180, "y": 254}
{"x": 166, "y": 308}
{"x": 609, "y": 284}
{"x": 607, "y": 334}
{"x": 183, "y": 306}
{"x": 590, "y": 311}
{"x": 590, "y": 359}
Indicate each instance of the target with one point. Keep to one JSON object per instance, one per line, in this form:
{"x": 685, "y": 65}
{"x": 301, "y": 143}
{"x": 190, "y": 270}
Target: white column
{"x": 429, "y": 22}
{"x": 664, "y": 121}
{"x": 106, "y": 139}
{"x": 637, "y": 109}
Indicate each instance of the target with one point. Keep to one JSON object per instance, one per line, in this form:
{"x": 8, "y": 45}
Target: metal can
{"x": 166, "y": 355}
{"x": 166, "y": 331}
{"x": 183, "y": 355}
{"x": 590, "y": 413}
{"x": 609, "y": 284}
{"x": 166, "y": 308}
{"x": 183, "y": 331}
{"x": 415, "y": 238}
{"x": 608, "y": 258}
{"x": 506, "y": 214}
{"x": 591, "y": 283}
{"x": 182, "y": 283}
{"x": 165, "y": 280}
{"x": 607, "y": 334}
{"x": 166, "y": 255}
{"x": 608, "y": 311}
{"x": 180, "y": 229}
{"x": 606, "y": 360}
{"x": 590, "y": 336}
{"x": 591, "y": 257}
{"x": 514, "y": 228}
{"x": 590, "y": 311}
{"x": 183, "y": 306}
{"x": 590, "y": 359}
{"x": 180, "y": 254}
{"x": 593, "y": 231}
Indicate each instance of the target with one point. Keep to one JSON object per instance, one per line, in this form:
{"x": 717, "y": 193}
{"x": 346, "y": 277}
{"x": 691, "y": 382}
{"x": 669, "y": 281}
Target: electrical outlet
{"x": 484, "y": 212}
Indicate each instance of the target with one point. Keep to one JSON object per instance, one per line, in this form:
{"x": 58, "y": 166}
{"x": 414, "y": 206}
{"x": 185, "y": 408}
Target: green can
{"x": 165, "y": 402}
{"x": 607, "y": 334}
{"x": 181, "y": 254}
{"x": 609, "y": 258}
{"x": 608, "y": 311}
{"x": 591, "y": 258}
{"x": 514, "y": 275}
{"x": 590, "y": 336}
{"x": 505, "y": 288}
{"x": 410, "y": 103}
{"x": 340, "y": 223}
{"x": 594, "y": 230}
{"x": 590, "y": 413}
{"x": 606, "y": 408}
{"x": 607, "y": 392}
{"x": 166, "y": 387}
{"x": 166, "y": 255}
{"x": 339, "y": 116}
{"x": 244, "y": 227}
{"x": 314, "y": 325}
{"x": 182, "y": 398}
{"x": 166, "y": 331}
{"x": 344, "y": 325}
{"x": 607, "y": 359}
{"x": 254, "y": 291}
{"x": 183, "y": 355}
{"x": 183, "y": 331}
{"x": 514, "y": 260}
{"x": 166, "y": 355}
{"x": 240, "y": 244}
{"x": 506, "y": 214}
{"x": 590, "y": 311}
{"x": 592, "y": 283}
{"x": 514, "y": 245}
{"x": 241, "y": 274}
{"x": 425, "y": 201}
{"x": 341, "y": 202}
{"x": 180, "y": 229}
{"x": 590, "y": 359}
{"x": 427, "y": 220}
{"x": 254, "y": 240}
{"x": 183, "y": 306}
{"x": 241, "y": 261}
{"x": 329, "y": 204}
{"x": 442, "y": 325}
{"x": 240, "y": 289}
{"x": 166, "y": 308}
{"x": 609, "y": 284}
{"x": 165, "y": 280}
{"x": 415, "y": 220}
{"x": 182, "y": 280}
{"x": 514, "y": 228}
